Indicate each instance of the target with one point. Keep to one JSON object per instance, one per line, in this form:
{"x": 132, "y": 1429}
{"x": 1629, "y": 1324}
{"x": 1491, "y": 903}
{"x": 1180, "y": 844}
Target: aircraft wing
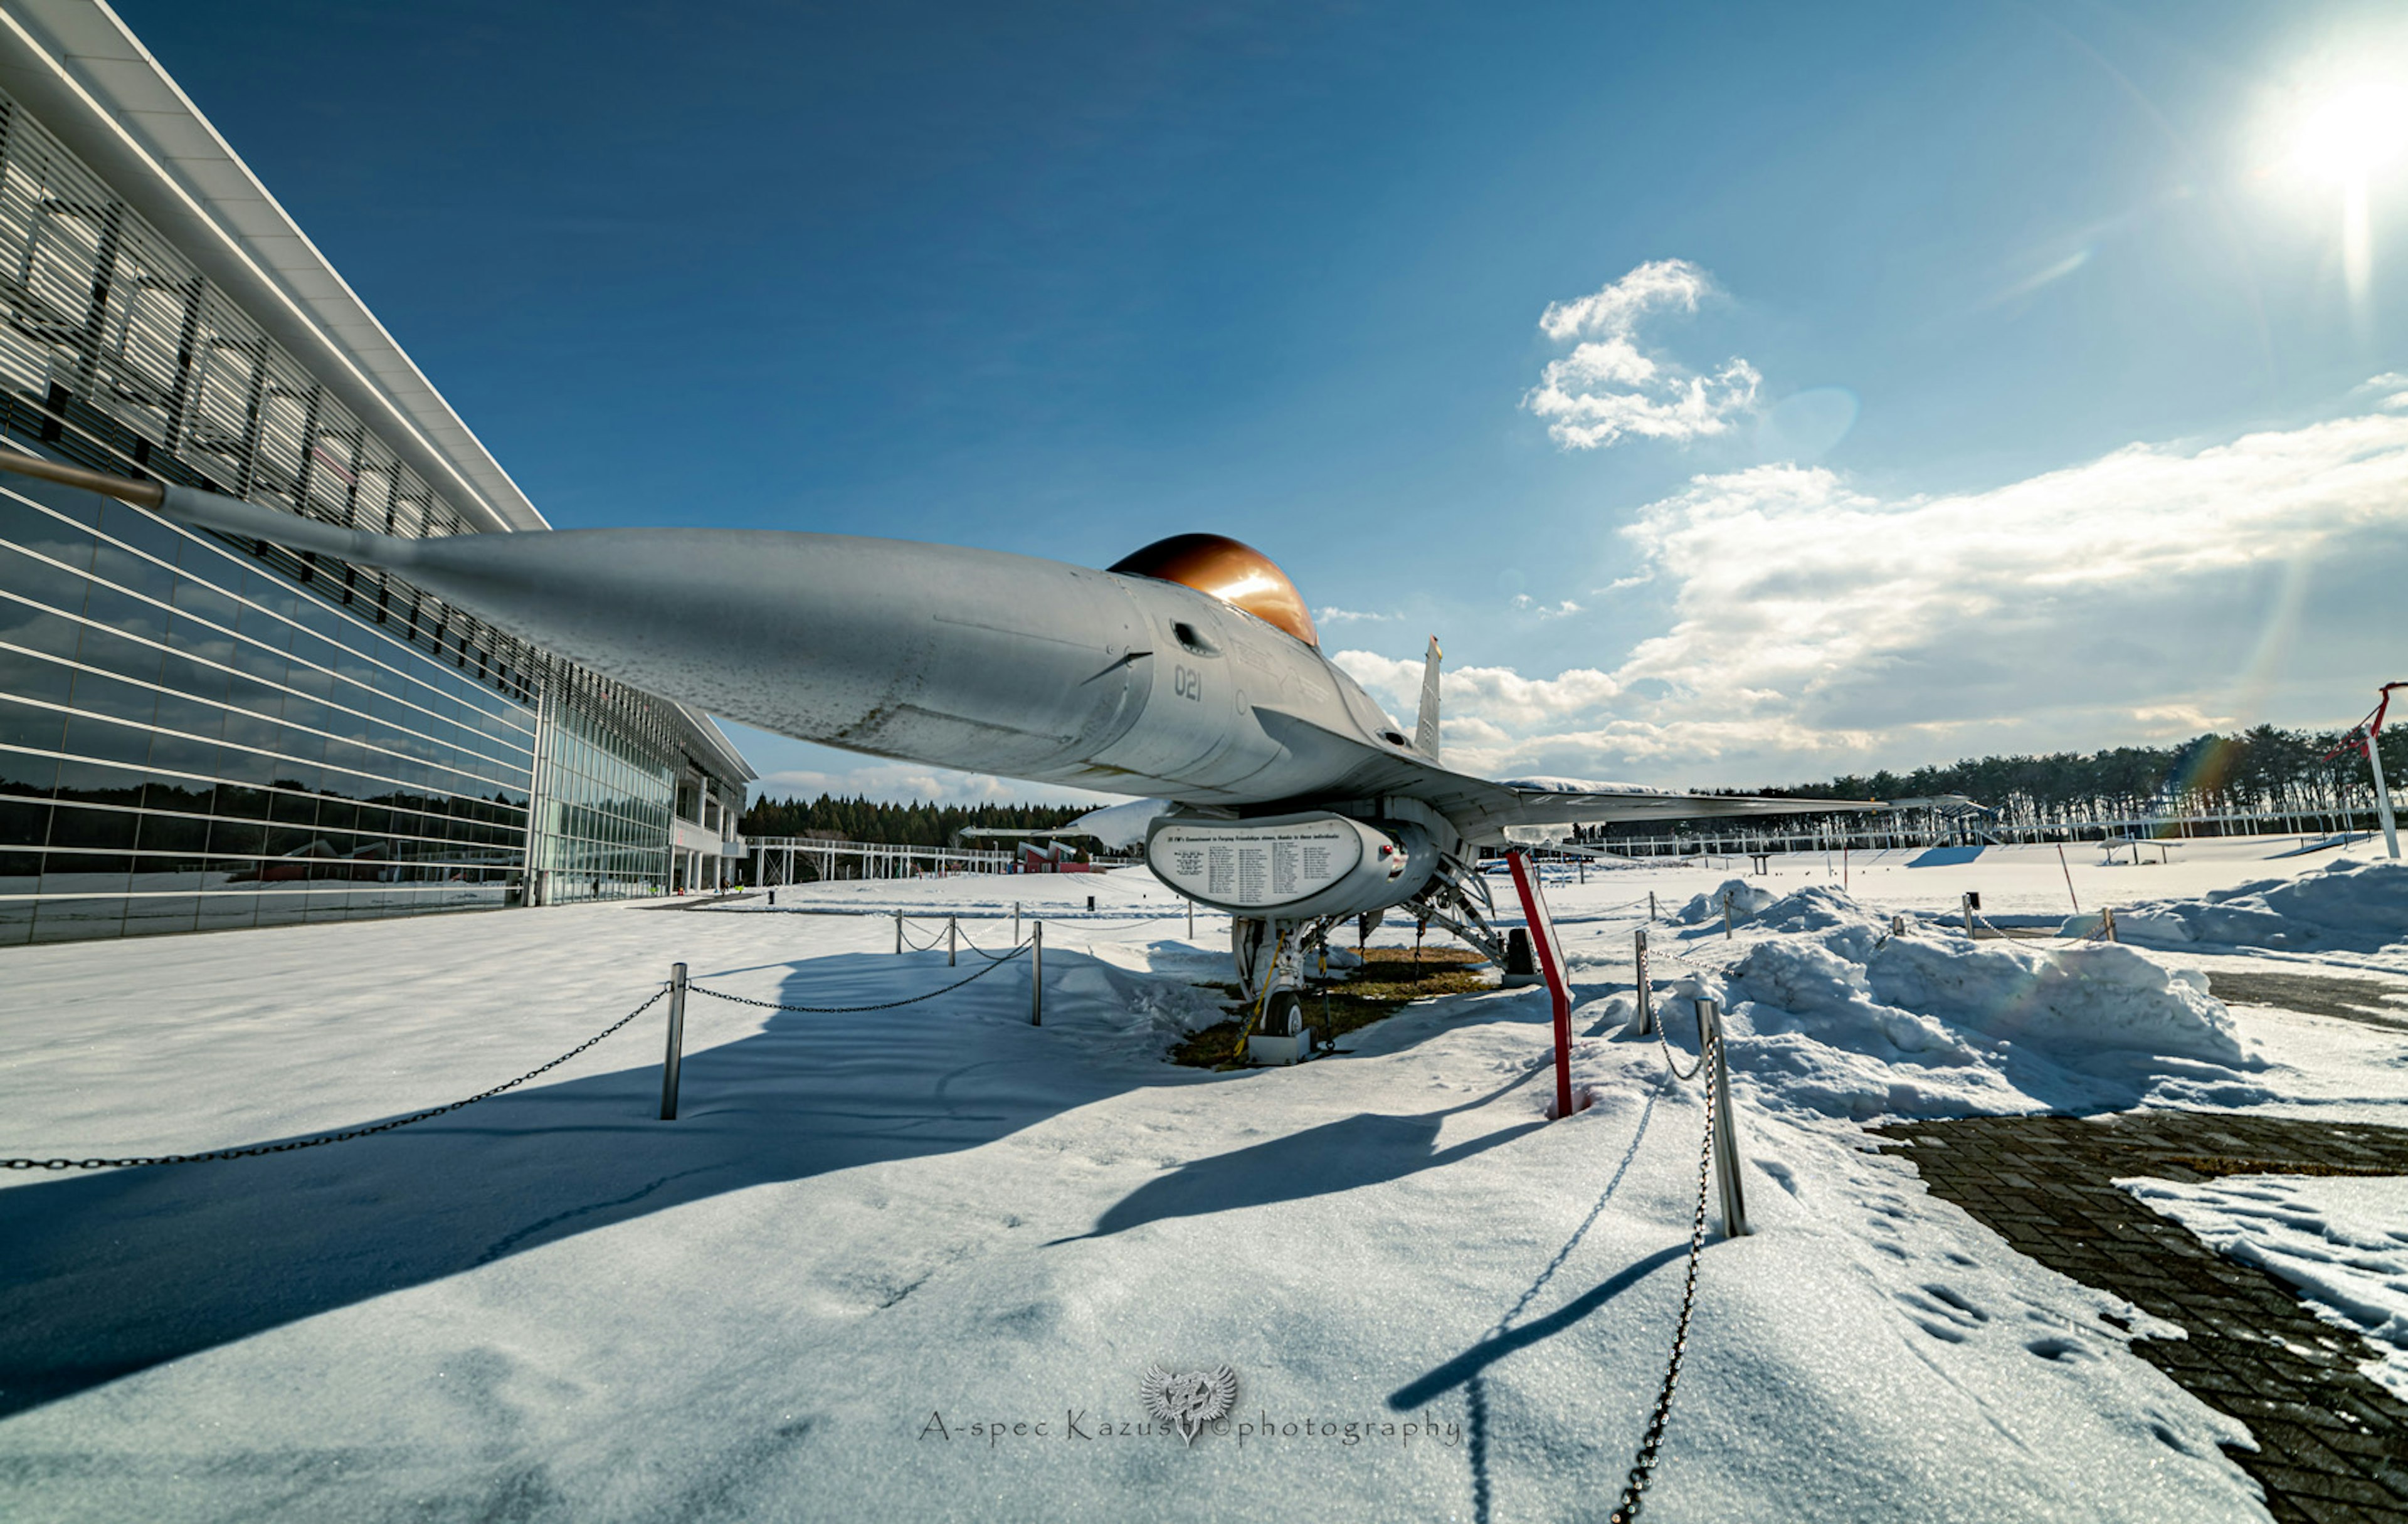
{"x": 1482, "y": 808}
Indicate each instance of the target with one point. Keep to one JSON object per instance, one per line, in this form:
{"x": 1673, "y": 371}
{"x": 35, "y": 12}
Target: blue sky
{"x": 2029, "y": 351}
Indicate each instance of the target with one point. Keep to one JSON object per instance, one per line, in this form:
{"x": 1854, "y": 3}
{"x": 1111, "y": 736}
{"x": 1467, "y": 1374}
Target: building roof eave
{"x": 95, "y": 86}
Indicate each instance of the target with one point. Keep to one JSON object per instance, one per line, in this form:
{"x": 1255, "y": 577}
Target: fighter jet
{"x": 1188, "y": 672}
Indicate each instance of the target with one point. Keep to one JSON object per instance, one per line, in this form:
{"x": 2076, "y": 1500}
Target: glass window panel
{"x": 203, "y": 602}
{"x": 303, "y": 679}
{"x": 124, "y": 611}
{"x": 102, "y": 740}
{"x": 48, "y": 635}
{"x": 114, "y": 698}
{"x": 190, "y": 716}
{"x": 304, "y": 749}
{"x": 30, "y": 527}
{"x": 252, "y": 733}
{"x": 190, "y": 796}
{"x": 113, "y": 652}
{"x": 307, "y": 712}
{"x": 84, "y": 872}
{"x": 285, "y": 840}
{"x": 24, "y": 773}
{"x": 173, "y": 833}
{"x": 239, "y": 802}
{"x": 238, "y": 838}
{"x": 279, "y": 909}
{"x": 123, "y": 521}
{"x": 25, "y": 823}
{"x": 133, "y": 573}
{"x": 31, "y": 725}
{"x": 192, "y": 675}
{"x": 62, "y": 591}
{"x": 78, "y": 825}
{"x": 71, "y": 920}
{"x": 225, "y": 912}
{"x": 154, "y": 915}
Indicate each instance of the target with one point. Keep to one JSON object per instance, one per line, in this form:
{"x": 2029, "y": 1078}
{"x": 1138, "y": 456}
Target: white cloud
{"x": 1609, "y": 387}
{"x": 1348, "y": 615}
{"x": 1494, "y": 693}
{"x": 1816, "y": 626}
{"x": 1528, "y": 605}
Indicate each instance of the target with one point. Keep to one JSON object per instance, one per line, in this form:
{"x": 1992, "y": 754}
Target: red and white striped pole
{"x": 2374, "y": 759}
{"x": 2368, "y": 737}
{"x": 1543, "y": 942}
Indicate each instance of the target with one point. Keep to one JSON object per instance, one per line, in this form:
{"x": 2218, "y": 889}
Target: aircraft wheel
{"x": 1285, "y": 1017}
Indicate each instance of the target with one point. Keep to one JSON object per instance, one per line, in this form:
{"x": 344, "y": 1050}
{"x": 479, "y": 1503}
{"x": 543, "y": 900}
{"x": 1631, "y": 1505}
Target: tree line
{"x": 918, "y": 824}
{"x": 2267, "y": 770}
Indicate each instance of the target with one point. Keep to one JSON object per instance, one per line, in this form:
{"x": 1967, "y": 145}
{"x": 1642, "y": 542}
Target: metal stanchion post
{"x": 899, "y": 934}
{"x": 1965, "y": 902}
{"x": 1015, "y": 924}
{"x": 1645, "y": 1021}
{"x": 1037, "y": 974}
{"x": 677, "y": 1043}
{"x": 1191, "y": 920}
{"x": 1726, "y": 1174}
{"x": 1651, "y": 907}
{"x": 2109, "y": 914}
{"x": 952, "y": 935}
{"x": 1727, "y": 918}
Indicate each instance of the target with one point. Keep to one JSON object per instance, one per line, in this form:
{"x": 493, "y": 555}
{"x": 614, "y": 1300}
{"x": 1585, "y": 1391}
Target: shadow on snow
{"x": 110, "y": 1273}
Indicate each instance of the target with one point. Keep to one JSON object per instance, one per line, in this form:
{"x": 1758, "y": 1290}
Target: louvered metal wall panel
{"x": 117, "y": 353}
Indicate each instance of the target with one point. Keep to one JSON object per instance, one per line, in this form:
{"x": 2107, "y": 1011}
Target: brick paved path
{"x": 2332, "y": 1445}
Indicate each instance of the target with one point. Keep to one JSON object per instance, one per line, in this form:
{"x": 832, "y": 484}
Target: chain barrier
{"x": 1642, "y": 1469}
{"x": 1674, "y": 1064}
{"x": 991, "y": 956}
{"x": 331, "y": 1137}
{"x": 853, "y": 1010}
{"x": 930, "y": 946}
{"x": 2096, "y": 934}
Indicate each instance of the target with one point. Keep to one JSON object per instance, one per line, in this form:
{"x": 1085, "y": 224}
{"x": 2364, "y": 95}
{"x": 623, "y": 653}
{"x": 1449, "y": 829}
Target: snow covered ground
{"x": 878, "y": 1252}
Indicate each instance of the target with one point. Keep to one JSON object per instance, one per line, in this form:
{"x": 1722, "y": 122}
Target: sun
{"x": 2355, "y": 133}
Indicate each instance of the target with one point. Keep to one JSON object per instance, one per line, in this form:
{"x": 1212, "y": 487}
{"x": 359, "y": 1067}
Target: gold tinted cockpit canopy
{"x": 1237, "y": 574}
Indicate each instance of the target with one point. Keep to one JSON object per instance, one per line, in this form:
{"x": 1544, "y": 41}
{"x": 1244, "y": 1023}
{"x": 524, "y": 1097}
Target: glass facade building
{"x": 200, "y": 733}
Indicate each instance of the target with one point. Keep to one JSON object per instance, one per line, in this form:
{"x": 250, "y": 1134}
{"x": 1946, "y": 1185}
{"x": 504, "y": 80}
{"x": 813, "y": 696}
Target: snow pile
{"x": 2355, "y": 906}
{"x": 1843, "y": 1020}
{"x": 2340, "y": 1243}
{"x": 1095, "y": 996}
{"x": 1745, "y": 899}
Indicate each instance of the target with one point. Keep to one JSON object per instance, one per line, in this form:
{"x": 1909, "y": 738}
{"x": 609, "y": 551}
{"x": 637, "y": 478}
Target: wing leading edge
{"x": 1483, "y": 809}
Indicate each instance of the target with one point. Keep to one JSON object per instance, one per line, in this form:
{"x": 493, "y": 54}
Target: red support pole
{"x": 1543, "y": 943}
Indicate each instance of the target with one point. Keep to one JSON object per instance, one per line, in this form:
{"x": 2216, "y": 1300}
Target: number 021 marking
{"x": 1187, "y": 683}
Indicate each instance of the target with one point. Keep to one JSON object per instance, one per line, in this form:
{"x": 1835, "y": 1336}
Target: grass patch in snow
{"x": 1388, "y": 982}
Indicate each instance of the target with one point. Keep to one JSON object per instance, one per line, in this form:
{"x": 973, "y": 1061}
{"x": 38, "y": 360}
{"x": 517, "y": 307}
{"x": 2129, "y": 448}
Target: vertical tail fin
{"x": 1425, "y": 732}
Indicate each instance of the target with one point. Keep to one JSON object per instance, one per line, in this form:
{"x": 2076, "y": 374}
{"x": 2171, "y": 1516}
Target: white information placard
{"x": 1256, "y": 867}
